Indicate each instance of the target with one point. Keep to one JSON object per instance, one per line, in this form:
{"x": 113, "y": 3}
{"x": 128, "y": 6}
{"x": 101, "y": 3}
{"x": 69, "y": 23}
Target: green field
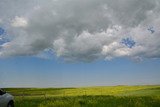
{"x": 107, "y": 96}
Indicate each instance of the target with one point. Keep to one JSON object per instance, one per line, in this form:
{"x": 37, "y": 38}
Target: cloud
{"x": 83, "y": 30}
{"x": 1, "y": 21}
{"x": 19, "y": 22}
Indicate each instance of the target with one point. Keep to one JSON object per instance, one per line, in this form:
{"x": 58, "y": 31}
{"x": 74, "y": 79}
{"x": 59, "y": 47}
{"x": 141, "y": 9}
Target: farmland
{"x": 104, "y": 96}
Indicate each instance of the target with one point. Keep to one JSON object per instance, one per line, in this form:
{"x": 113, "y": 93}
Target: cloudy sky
{"x": 79, "y": 42}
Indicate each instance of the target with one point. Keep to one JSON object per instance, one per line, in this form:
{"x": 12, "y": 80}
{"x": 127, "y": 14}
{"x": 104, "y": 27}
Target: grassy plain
{"x": 106, "y": 96}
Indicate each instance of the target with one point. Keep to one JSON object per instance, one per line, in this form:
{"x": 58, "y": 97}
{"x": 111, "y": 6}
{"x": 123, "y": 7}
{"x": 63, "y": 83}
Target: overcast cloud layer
{"x": 80, "y": 30}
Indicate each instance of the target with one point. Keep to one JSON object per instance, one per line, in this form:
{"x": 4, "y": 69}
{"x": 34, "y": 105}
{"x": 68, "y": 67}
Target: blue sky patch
{"x": 129, "y": 42}
{"x": 1, "y": 31}
{"x": 3, "y": 40}
{"x": 151, "y": 29}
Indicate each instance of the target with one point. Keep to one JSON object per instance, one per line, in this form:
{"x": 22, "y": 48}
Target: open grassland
{"x": 109, "y": 96}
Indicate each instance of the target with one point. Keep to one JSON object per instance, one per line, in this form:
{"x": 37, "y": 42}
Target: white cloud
{"x": 1, "y": 20}
{"x": 36, "y": 7}
{"x": 83, "y": 30}
{"x": 19, "y": 22}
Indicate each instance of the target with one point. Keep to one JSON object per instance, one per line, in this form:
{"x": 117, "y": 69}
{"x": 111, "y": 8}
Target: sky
{"x": 74, "y": 43}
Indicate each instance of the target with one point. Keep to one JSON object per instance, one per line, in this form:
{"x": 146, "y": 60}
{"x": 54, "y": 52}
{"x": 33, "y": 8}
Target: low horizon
{"x": 86, "y": 86}
{"x": 35, "y": 72}
{"x": 63, "y": 43}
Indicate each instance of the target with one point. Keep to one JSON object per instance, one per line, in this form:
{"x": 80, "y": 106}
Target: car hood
{"x": 9, "y": 96}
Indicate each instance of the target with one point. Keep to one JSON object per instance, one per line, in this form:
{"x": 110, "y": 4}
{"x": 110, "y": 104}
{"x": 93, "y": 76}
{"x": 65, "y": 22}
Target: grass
{"x": 109, "y": 96}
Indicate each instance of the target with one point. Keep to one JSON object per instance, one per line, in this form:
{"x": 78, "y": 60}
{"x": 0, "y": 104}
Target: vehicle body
{"x": 6, "y": 99}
